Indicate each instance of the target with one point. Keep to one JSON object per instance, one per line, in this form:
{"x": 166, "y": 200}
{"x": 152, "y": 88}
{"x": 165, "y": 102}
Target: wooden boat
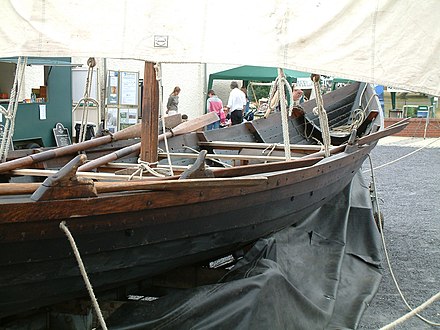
{"x": 130, "y": 230}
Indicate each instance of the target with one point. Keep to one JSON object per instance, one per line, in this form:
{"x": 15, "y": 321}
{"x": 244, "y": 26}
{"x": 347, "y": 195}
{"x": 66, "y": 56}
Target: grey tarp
{"x": 322, "y": 273}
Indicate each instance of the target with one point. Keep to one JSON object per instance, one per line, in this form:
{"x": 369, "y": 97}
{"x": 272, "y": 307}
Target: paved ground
{"x": 409, "y": 193}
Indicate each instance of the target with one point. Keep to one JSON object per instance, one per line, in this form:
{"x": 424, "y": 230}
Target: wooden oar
{"x": 183, "y": 128}
{"x": 127, "y": 133}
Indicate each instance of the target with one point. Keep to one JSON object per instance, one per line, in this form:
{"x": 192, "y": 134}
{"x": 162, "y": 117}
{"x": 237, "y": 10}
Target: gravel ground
{"x": 409, "y": 192}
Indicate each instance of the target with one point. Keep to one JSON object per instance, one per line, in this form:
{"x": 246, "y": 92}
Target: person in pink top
{"x": 214, "y": 104}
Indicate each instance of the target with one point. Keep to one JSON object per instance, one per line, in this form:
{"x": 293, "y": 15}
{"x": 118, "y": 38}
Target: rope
{"x": 210, "y": 158}
{"x": 272, "y": 148}
{"x": 414, "y": 312}
{"x": 145, "y": 166}
{"x": 82, "y": 269}
{"x": 277, "y": 96}
{"x": 8, "y": 130}
{"x": 86, "y": 99}
{"x": 404, "y": 156}
{"x": 158, "y": 69}
{"x": 421, "y": 307}
{"x": 358, "y": 117}
{"x": 323, "y": 119}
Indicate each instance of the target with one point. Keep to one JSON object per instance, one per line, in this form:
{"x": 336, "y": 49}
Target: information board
{"x": 61, "y": 134}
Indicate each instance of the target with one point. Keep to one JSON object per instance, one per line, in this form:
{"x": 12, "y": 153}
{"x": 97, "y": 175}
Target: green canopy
{"x": 255, "y": 73}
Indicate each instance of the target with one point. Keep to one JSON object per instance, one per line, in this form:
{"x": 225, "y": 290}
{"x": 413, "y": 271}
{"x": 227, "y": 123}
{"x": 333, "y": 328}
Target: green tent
{"x": 255, "y": 73}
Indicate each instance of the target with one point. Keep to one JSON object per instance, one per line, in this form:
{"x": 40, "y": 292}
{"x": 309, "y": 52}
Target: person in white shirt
{"x": 236, "y": 104}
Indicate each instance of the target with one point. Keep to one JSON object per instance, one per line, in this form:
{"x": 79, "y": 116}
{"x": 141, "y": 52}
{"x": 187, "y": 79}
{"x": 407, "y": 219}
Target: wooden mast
{"x": 150, "y": 115}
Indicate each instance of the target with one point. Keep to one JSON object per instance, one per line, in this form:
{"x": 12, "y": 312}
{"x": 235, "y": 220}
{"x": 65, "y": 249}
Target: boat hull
{"x": 37, "y": 266}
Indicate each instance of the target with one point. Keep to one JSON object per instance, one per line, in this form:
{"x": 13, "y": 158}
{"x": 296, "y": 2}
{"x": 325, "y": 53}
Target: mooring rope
{"x": 82, "y": 269}
{"x": 404, "y": 156}
{"x": 421, "y": 307}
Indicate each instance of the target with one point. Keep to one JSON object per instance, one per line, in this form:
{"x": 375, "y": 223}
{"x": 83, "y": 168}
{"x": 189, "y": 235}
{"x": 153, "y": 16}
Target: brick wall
{"x": 416, "y": 127}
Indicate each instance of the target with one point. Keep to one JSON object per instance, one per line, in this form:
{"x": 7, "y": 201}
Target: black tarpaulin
{"x": 320, "y": 274}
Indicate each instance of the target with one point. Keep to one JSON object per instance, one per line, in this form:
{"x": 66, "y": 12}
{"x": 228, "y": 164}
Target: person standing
{"x": 173, "y": 101}
{"x": 236, "y": 104}
{"x": 214, "y": 104}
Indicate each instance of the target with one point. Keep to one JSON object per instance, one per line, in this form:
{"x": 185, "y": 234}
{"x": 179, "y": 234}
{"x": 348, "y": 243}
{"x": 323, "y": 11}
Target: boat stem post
{"x": 150, "y": 115}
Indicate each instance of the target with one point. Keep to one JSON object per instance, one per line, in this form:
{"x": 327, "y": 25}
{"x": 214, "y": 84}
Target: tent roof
{"x": 257, "y": 73}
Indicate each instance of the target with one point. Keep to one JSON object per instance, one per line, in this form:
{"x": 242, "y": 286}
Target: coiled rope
{"x": 412, "y": 311}
{"x": 82, "y": 269}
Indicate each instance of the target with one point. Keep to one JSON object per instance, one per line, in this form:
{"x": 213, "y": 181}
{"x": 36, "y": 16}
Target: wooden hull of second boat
{"x": 37, "y": 267}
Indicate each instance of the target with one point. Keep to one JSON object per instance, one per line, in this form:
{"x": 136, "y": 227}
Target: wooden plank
{"x": 185, "y": 184}
{"x": 110, "y": 187}
{"x": 220, "y": 156}
{"x": 91, "y": 175}
{"x": 380, "y": 134}
{"x": 254, "y": 145}
{"x": 264, "y": 168}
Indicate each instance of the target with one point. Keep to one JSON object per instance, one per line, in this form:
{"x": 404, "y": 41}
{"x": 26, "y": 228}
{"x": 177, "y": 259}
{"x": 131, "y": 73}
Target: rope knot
{"x": 91, "y": 62}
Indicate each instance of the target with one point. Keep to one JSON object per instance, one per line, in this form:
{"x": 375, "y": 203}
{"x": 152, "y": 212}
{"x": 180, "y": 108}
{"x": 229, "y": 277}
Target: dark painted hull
{"x": 128, "y": 236}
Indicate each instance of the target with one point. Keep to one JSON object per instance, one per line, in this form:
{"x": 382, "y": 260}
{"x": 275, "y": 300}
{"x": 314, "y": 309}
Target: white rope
{"x": 158, "y": 69}
{"x": 211, "y": 158}
{"x": 414, "y": 312}
{"x": 284, "y": 114}
{"x": 404, "y": 156}
{"x": 323, "y": 120}
{"x": 10, "y": 114}
{"x": 146, "y": 166}
{"x": 358, "y": 116}
{"x": 421, "y": 307}
{"x": 277, "y": 96}
{"x": 86, "y": 99}
{"x": 82, "y": 269}
{"x": 271, "y": 147}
